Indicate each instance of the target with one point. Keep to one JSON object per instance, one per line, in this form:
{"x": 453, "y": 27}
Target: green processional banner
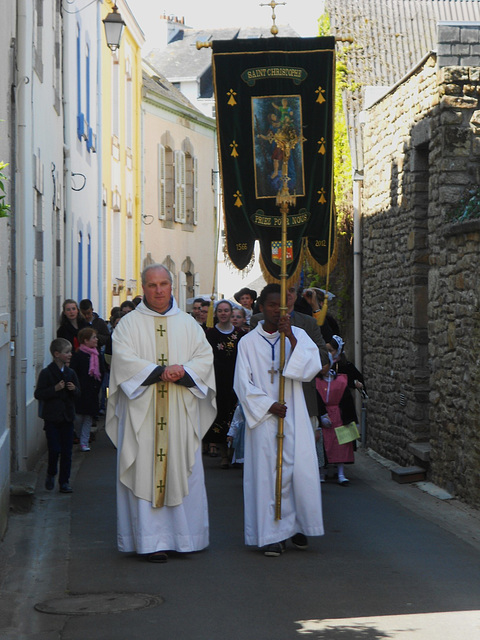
{"x": 275, "y": 102}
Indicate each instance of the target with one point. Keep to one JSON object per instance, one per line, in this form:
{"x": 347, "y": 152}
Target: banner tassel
{"x": 322, "y": 314}
{"x": 209, "y": 323}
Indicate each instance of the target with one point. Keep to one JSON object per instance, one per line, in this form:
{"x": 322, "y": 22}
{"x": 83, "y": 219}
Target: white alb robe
{"x": 182, "y": 524}
{"x": 301, "y": 510}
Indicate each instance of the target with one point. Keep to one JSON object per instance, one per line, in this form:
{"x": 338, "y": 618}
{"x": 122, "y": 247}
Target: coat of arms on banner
{"x": 277, "y": 252}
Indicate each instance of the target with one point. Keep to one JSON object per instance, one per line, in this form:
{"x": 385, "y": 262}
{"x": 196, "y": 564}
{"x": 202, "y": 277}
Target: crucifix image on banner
{"x": 277, "y": 118}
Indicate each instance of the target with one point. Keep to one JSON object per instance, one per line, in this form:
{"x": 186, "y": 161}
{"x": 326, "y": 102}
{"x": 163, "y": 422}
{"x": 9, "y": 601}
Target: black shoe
{"x": 159, "y": 557}
{"x": 300, "y": 541}
{"x": 65, "y": 488}
{"x": 49, "y": 482}
{"x": 274, "y": 550}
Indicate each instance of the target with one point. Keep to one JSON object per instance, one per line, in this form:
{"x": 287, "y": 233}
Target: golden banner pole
{"x": 281, "y": 389}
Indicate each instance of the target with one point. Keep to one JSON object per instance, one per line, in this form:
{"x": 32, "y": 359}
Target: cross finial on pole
{"x": 273, "y": 4}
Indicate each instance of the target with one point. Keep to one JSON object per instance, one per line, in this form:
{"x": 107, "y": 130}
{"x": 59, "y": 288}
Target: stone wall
{"x": 421, "y": 297}
{"x": 454, "y": 332}
{"x": 458, "y": 44}
{"x": 394, "y": 268}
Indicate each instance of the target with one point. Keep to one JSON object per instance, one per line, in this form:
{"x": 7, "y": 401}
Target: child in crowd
{"x": 239, "y": 319}
{"x": 246, "y": 297}
{"x": 56, "y": 390}
{"x": 337, "y": 407}
{"x": 236, "y": 436}
{"x": 89, "y": 368}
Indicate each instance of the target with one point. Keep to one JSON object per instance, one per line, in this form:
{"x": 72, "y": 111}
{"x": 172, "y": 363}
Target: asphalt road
{"x": 395, "y": 562}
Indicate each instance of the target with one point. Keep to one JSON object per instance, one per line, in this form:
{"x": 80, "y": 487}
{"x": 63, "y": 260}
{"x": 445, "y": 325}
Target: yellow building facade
{"x": 121, "y": 161}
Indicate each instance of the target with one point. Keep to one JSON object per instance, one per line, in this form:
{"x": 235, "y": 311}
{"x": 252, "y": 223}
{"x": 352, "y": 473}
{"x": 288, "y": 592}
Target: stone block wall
{"x": 395, "y": 264}
{"x": 454, "y": 331}
{"x": 420, "y": 283}
{"x": 458, "y": 44}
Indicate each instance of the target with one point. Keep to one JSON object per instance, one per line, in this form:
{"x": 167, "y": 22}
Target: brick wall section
{"x": 421, "y": 289}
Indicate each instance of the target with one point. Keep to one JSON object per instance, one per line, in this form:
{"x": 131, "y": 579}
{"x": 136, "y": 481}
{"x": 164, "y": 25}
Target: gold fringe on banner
{"x": 323, "y": 269}
{"x": 228, "y": 262}
{"x": 331, "y": 262}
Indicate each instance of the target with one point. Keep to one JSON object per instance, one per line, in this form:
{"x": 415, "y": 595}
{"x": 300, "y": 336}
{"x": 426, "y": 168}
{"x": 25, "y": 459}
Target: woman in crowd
{"x": 89, "y": 369}
{"x": 337, "y": 407}
{"x": 71, "y": 321}
{"x": 224, "y": 339}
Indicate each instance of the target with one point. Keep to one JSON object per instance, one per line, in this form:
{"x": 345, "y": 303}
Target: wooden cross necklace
{"x": 272, "y": 371}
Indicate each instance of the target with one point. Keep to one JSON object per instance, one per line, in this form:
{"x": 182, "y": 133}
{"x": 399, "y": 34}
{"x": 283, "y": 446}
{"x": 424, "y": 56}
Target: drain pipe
{"x": 357, "y": 290}
{"x": 101, "y": 244}
{"x": 67, "y": 161}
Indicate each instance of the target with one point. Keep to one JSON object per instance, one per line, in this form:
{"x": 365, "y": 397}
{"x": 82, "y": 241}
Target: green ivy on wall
{"x": 342, "y": 274}
{"x": 468, "y": 208}
{"x": 4, "y": 208}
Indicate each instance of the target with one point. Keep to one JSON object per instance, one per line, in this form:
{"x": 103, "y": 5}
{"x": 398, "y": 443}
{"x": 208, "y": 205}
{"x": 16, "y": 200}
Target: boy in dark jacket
{"x": 57, "y": 388}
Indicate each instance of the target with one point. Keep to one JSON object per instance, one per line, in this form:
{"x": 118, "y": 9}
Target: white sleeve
{"x": 255, "y": 402}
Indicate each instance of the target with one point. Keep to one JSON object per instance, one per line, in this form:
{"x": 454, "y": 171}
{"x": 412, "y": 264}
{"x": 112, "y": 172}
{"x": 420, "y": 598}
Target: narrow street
{"x": 395, "y": 562}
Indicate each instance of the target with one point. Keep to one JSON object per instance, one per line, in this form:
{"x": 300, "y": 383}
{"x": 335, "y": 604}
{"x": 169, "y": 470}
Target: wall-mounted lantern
{"x": 113, "y": 28}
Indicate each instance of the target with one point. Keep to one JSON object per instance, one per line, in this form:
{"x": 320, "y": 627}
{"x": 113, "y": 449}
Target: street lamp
{"x": 113, "y": 28}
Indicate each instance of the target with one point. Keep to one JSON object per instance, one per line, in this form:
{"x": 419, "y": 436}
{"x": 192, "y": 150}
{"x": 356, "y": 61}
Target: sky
{"x": 302, "y": 15}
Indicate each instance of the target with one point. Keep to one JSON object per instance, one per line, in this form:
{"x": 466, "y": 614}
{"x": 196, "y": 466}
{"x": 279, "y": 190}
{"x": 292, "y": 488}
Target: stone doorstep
{"x": 402, "y": 475}
{"x": 22, "y": 491}
{"x": 420, "y": 450}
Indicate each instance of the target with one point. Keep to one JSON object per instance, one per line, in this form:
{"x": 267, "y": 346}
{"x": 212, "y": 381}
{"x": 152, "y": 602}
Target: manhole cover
{"x": 91, "y": 603}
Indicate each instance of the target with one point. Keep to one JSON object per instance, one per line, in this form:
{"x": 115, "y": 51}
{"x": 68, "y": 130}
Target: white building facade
{"x": 37, "y": 214}
{"x": 7, "y": 35}
{"x": 84, "y": 227}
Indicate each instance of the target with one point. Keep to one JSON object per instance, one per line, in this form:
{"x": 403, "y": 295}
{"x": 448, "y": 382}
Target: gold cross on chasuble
{"x": 162, "y": 388}
{"x": 161, "y": 418}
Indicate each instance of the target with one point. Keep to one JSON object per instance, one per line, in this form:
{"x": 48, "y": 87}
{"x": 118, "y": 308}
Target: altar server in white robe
{"x": 161, "y": 403}
{"x": 256, "y": 384}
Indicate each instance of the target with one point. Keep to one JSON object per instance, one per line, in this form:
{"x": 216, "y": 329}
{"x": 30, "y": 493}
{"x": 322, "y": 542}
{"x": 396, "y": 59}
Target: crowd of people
{"x": 178, "y": 389}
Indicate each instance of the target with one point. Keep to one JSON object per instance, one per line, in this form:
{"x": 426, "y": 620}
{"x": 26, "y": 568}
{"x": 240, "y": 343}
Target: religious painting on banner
{"x": 274, "y": 105}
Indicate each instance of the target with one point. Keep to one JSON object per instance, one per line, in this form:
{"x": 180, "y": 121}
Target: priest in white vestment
{"x": 161, "y": 403}
{"x": 256, "y": 384}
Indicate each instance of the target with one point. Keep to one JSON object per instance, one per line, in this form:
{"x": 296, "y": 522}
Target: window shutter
{"x": 162, "y": 197}
{"x": 180, "y": 205}
{"x": 195, "y": 191}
